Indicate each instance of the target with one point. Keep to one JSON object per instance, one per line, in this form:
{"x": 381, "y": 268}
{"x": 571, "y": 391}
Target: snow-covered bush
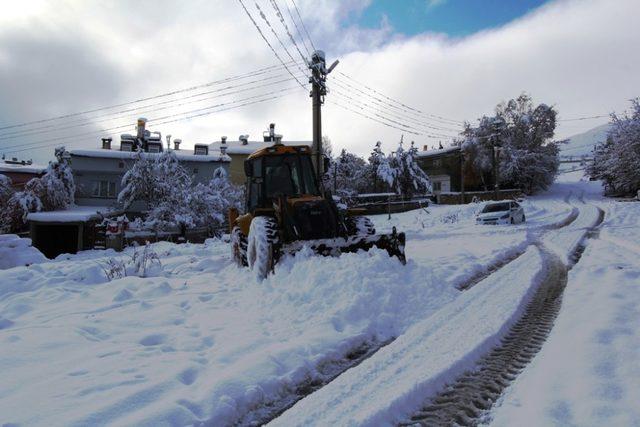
{"x": 14, "y": 213}
{"x": 145, "y": 261}
{"x": 142, "y": 263}
{"x": 522, "y": 133}
{"x": 114, "y": 269}
{"x": 210, "y": 202}
{"x": 616, "y": 160}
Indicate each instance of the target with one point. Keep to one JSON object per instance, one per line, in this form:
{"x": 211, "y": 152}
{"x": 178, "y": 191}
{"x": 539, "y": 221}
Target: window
{"x": 104, "y": 189}
{"x": 195, "y": 170}
{"x": 121, "y": 165}
{"x": 437, "y": 163}
{"x": 437, "y": 186}
{"x": 200, "y": 150}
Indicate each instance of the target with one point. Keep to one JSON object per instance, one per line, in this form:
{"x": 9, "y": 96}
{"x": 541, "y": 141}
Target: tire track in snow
{"x": 332, "y": 369}
{"x": 468, "y": 400}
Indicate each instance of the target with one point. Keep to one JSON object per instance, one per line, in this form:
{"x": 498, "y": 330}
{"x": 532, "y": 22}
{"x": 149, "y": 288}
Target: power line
{"x": 404, "y": 125}
{"x": 304, "y": 42}
{"x": 415, "y": 110}
{"x": 575, "y": 119}
{"x": 160, "y": 120}
{"x": 212, "y": 83}
{"x": 303, "y": 26}
{"x": 264, "y": 18}
{"x": 386, "y": 110}
{"x": 255, "y": 24}
{"x": 286, "y": 27}
{"x": 144, "y": 109}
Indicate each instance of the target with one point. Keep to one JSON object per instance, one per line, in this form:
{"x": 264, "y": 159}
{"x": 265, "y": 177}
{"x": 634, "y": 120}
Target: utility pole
{"x": 498, "y": 125}
{"x": 462, "y": 176}
{"x": 318, "y": 81}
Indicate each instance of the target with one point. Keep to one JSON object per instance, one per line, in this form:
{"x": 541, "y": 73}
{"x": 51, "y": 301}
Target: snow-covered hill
{"x": 583, "y": 143}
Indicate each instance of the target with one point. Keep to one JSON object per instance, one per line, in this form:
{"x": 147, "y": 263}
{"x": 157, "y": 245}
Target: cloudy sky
{"x": 451, "y": 60}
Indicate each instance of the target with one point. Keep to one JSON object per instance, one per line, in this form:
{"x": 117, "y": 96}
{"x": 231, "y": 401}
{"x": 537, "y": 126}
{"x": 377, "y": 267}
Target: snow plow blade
{"x": 393, "y": 243}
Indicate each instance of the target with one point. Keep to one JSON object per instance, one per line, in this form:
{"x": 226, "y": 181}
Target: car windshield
{"x": 289, "y": 175}
{"x": 496, "y": 207}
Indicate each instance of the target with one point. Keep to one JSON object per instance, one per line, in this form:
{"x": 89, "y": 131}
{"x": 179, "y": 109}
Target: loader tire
{"x": 263, "y": 246}
{"x": 239, "y": 247}
{"x": 360, "y": 226}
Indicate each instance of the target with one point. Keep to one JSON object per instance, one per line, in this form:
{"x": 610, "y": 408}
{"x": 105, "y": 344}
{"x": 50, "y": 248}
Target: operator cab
{"x": 279, "y": 171}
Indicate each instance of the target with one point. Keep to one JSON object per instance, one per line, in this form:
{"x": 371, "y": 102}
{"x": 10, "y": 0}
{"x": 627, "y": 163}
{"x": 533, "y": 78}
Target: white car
{"x": 501, "y": 213}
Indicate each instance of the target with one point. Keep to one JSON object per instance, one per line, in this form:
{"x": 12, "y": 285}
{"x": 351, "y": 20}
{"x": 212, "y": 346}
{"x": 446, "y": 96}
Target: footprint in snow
{"x": 188, "y": 376}
{"x": 123, "y": 295}
{"x": 155, "y": 339}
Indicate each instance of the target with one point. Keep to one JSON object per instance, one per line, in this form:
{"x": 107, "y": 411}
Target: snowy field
{"x": 200, "y": 340}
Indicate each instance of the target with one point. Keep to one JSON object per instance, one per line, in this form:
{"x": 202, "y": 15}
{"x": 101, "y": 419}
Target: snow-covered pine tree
{"x": 6, "y": 189}
{"x": 59, "y": 187}
{"x": 6, "y": 192}
{"x": 346, "y": 175}
{"x": 387, "y": 169}
{"x": 616, "y": 160}
{"x": 171, "y": 203}
{"x": 413, "y": 178}
{"x": 139, "y": 183}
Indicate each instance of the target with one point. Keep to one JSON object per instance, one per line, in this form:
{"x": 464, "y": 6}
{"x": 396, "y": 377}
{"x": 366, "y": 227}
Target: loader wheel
{"x": 263, "y": 245}
{"x": 239, "y": 247}
{"x": 360, "y": 226}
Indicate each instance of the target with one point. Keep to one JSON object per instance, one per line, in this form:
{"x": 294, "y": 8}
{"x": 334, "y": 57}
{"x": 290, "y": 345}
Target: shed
{"x": 66, "y": 231}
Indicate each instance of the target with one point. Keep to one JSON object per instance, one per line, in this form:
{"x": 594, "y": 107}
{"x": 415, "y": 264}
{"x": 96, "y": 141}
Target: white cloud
{"x": 577, "y": 55}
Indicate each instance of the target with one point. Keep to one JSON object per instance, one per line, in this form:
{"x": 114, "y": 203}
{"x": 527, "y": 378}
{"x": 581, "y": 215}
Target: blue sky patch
{"x": 455, "y": 18}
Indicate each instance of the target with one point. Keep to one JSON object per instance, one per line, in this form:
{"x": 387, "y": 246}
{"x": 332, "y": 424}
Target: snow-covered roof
{"x": 180, "y": 154}
{"x": 74, "y": 214}
{"x": 437, "y": 152}
{"x": 26, "y": 168}
{"x": 236, "y": 147}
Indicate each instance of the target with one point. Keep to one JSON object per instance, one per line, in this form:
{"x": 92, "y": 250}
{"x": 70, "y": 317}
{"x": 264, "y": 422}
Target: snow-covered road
{"x": 203, "y": 342}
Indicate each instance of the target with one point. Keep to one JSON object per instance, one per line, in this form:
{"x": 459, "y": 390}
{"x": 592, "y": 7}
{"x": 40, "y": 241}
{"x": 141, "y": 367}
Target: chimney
{"x": 425, "y": 148}
{"x": 244, "y": 139}
{"x": 106, "y": 143}
{"x": 168, "y": 141}
{"x": 142, "y": 123}
{"x": 176, "y": 143}
{"x": 278, "y": 139}
{"x": 269, "y": 136}
{"x": 223, "y": 145}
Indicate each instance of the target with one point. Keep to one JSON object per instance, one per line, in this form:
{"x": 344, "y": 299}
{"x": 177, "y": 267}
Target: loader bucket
{"x": 393, "y": 243}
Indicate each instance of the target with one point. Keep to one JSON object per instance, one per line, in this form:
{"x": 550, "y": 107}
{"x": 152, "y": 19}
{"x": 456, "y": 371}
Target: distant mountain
{"x": 583, "y": 143}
